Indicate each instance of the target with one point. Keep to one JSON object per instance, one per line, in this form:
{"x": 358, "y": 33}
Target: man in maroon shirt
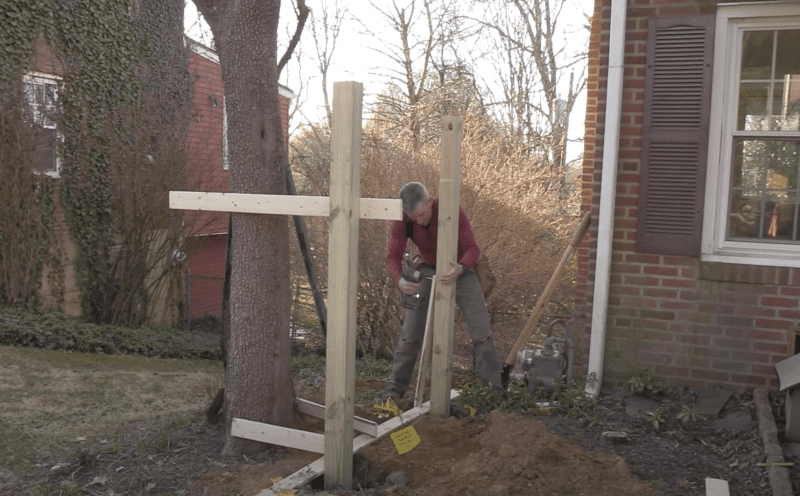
{"x": 420, "y": 223}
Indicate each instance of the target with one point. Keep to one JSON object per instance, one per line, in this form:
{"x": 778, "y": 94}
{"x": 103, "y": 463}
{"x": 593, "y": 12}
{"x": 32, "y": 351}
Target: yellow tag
{"x": 472, "y": 410}
{"x": 405, "y": 439}
{"x": 388, "y": 409}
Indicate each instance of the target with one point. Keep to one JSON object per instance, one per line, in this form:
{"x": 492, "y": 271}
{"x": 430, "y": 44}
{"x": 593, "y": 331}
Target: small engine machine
{"x": 550, "y": 365}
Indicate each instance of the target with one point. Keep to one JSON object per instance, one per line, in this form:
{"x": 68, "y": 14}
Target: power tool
{"x": 411, "y": 273}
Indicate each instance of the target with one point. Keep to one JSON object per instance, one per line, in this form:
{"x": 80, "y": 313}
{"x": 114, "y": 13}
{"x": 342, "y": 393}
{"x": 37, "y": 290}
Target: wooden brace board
{"x": 282, "y": 436}
{"x": 294, "y": 438}
{"x": 314, "y": 469}
{"x": 316, "y": 410}
{"x": 245, "y": 203}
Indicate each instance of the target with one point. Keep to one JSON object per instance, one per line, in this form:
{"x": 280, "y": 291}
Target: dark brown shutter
{"x": 675, "y": 135}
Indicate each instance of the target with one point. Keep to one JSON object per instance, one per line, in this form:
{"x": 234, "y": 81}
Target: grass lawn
{"x": 50, "y": 398}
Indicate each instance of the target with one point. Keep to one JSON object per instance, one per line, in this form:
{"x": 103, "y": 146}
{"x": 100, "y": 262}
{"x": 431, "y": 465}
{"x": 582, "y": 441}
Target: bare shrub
{"x": 521, "y": 221}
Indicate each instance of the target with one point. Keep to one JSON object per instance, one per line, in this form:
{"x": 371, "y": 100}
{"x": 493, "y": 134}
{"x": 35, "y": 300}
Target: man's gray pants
{"x": 470, "y": 300}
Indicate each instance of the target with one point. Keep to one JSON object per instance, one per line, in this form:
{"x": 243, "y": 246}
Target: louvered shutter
{"x": 675, "y": 135}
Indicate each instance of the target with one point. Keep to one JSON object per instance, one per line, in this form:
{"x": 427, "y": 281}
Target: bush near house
{"x": 57, "y": 331}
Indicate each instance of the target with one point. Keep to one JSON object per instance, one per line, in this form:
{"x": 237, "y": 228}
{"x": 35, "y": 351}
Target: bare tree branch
{"x": 302, "y": 16}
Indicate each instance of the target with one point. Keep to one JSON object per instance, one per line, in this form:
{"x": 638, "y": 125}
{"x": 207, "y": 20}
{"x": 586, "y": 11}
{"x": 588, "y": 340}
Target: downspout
{"x": 608, "y": 188}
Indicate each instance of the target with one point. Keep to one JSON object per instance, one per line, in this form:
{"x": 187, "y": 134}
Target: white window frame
{"x": 44, "y": 78}
{"x": 225, "y": 161}
{"x": 731, "y": 20}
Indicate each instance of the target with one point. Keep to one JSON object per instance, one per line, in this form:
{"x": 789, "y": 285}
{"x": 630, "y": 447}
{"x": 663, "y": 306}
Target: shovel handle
{"x": 538, "y": 310}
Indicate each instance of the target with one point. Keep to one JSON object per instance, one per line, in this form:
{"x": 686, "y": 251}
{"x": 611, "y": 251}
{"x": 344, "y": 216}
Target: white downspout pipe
{"x": 608, "y": 188}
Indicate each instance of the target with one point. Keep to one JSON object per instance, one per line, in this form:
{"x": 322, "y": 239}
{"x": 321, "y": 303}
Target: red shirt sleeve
{"x": 468, "y": 249}
{"x": 395, "y": 246}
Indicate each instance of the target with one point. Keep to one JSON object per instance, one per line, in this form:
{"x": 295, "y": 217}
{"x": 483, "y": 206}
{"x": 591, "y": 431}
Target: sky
{"x": 354, "y": 58}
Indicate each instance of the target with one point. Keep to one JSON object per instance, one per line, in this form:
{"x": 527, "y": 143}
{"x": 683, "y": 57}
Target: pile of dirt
{"x": 502, "y": 454}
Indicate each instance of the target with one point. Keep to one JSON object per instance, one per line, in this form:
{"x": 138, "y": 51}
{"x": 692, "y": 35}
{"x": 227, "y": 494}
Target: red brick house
{"x": 692, "y": 174}
{"x": 209, "y": 172}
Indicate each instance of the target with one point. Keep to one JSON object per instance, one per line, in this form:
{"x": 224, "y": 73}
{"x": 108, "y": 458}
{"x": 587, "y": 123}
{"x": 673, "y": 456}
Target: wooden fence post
{"x": 446, "y": 253}
{"x": 342, "y": 283}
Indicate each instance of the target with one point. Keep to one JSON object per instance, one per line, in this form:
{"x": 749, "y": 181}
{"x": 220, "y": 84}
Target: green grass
{"x": 50, "y": 398}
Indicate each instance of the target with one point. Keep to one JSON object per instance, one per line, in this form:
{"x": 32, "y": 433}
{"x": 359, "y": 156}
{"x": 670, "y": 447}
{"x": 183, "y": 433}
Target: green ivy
{"x": 117, "y": 54}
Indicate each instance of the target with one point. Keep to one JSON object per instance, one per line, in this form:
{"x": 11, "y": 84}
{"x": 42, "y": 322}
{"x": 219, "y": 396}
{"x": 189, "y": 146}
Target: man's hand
{"x": 408, "y": 287}
{"x": 455, "y": 272}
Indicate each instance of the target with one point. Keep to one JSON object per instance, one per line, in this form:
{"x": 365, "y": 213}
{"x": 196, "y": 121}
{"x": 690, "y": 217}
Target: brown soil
{"x": 498, "y": 453}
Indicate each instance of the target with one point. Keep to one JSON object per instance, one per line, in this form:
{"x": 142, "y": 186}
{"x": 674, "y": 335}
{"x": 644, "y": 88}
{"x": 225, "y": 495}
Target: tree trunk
{"x": 258, "y": 383}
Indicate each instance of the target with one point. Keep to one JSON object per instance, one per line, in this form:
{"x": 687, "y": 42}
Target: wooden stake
{"x": 446, "y": 253}
{"x": 342, "y": 283}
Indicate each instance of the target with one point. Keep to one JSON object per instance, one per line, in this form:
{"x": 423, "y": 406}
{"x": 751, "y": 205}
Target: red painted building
{"x": 209, "y": 172}
{"x": 692, "y": 173}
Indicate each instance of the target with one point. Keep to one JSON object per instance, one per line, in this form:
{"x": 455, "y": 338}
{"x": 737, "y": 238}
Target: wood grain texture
{"x": 342, "y": 283}
{"x": 446, "y": 253}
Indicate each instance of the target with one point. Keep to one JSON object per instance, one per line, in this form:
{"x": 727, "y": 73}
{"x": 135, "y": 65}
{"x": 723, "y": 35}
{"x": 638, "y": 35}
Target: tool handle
{"x": 538, "y": 310}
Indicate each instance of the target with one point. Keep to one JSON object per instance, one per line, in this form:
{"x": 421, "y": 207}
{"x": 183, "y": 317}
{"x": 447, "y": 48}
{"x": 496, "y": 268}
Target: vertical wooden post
{"x": 446, "y": 253}
{"x": 342, "y": 283}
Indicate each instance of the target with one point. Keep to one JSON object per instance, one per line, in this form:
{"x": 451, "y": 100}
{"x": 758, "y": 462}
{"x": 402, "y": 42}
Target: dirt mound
{"x": 501, "y": 454}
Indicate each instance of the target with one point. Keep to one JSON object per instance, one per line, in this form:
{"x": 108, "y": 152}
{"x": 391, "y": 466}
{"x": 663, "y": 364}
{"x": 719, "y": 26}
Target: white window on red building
{"x": 41, "y": 95}
{"x": 753, "y": 187}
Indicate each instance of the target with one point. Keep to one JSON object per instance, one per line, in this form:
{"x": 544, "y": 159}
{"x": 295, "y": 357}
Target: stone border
{"x": 778, "y": 476}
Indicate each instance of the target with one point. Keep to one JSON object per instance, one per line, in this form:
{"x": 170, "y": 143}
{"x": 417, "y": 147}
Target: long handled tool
{"x": 427, "y": 349}
{"x": 538, "y": 310}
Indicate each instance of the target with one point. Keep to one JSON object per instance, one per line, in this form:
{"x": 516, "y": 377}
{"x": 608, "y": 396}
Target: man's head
{"x": 417, "y": 204}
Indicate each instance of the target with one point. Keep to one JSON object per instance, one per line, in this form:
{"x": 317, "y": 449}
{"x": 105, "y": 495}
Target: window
{"x": 41, "y": 95}
{"x": 752, "y": 204}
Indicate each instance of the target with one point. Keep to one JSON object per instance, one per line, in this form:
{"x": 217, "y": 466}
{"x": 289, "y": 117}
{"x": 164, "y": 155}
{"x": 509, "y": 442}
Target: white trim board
{"x": 245, "y": 203}
{"x": 315, "y": 468}
{"x": 717, "y": 487}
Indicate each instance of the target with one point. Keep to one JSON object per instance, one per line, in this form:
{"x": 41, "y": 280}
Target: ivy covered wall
{"x": 122, "y": 111}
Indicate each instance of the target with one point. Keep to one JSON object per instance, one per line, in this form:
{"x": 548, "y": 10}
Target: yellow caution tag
{"x": 405, "y": 439}
{"x": 385, "y": 410}
{"x": 472, "y": 410}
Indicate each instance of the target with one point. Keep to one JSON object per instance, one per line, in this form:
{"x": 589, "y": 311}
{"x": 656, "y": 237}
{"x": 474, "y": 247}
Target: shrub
{"x": 522, "y": 220}
{"x": 57, "y": 331}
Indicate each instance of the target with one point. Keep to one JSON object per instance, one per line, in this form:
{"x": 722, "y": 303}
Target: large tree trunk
{"x": 258, "y": 383}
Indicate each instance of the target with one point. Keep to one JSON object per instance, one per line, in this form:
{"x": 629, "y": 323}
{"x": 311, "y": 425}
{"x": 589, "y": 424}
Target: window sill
{"x": 745, "y": 270}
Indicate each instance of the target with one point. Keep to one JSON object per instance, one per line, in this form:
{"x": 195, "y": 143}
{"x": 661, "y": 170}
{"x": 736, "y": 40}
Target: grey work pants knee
{"x": 470, "y": 300}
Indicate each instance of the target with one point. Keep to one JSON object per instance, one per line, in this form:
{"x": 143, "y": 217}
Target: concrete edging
{"x": 778, "y": 476}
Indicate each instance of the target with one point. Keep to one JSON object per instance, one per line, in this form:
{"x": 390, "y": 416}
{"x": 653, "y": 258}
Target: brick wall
{"x": 691, "y": 322}
{"x": 206, "y": 252}
{"x": 205, "y": 273}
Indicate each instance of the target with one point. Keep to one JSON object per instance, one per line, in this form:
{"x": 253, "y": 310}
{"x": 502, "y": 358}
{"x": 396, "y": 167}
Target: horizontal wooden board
{"x": 314, "y": 469}
{"x": 316, "y": 410}
{"x": 245, "y": 203}
{"x": 282, "y": 436}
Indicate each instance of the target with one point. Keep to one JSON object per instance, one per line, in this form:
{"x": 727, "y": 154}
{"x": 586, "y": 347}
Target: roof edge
{"x": 211, "y": 54}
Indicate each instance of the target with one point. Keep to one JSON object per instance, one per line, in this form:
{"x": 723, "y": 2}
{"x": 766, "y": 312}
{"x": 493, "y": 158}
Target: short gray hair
{"x": 412, "y": 195}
